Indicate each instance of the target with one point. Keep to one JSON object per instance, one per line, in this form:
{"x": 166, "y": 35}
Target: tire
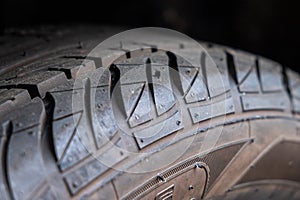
{"x": 247, "y": 151}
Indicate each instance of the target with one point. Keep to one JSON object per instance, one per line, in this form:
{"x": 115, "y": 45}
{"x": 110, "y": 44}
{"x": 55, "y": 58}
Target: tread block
{"x": 81, "y": 177}
{"x": 63, "y": 130}
{"x": 37, "y": 66}
{"x": 74, "y": 67}
{"x": 246, "y": 73}
{"x": 294, "y": 85}
{"x": 140, "y": 58}
{"x": 107, "y": 56}
{"x": 217, "y": 78}
{"x": 42, "y": 80}
{"x": 13, "y": 94}
{"x": 142, "y": 112}
{"x": 135, "y": 49}
{"x": 296, "y": 105}
{"x": 270, "y": 75}
{"x": 163, "y": 93}
{"x": 75, "y": 152}
{"x": 265, "y": 102}
{"x": 67, "y": 86}
{"x": 135, "y": 94}
{"x": 132, "y": 73}
{"x": 103, "y": 121}
{"x": 131, "y": 94}
{"x": 197, "y": 90}
{"x": 206, "y": 112}
{"x": 65, "y": 102}
{"x": 105, "y": 78}
{"x": 295, "y": 90}
{"x": 24, "y": 162}
{"x": 293, "y": 77}
{"x": 187, "y": 75}
{"x": 188, "y": 58}
{"x": 11, "y": 98}
{"x": 243, "y": 63}
{"x": 159, "y": 130}
{"x": 27, "y": 118}
{"x": 251, "y": 84}
{"x": 159, "y": 59}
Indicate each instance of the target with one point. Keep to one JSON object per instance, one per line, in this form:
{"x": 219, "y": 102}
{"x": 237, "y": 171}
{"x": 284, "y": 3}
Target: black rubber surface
{"x": 51, "y": 150}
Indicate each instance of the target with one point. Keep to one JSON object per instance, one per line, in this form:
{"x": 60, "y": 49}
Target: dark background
{"x": 266, "y": 27}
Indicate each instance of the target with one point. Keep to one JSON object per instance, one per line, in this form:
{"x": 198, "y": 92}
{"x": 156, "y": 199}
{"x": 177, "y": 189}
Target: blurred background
{"x": 267, "y": 27}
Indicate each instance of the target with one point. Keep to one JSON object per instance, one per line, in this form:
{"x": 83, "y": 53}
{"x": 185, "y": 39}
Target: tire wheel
{"x": 51, "y": 150}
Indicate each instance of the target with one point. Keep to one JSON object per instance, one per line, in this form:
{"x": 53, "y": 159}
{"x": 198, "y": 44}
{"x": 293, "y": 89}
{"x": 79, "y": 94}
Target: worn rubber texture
{"x": 255, "y": 156}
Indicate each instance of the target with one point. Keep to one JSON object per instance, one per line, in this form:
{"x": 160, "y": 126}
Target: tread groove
{"x": 231, "y": 67}
{"x": 204, "y": 72}
{"x": 286, "y": 84}
{"x": 88, "y": 109}
{"x": 32, "y": 89}
{"x": 49, "y": 104}
{"x": 114, "y": 77}
{"x": 149, "y": 77}
{"x": 257, "y": 67}
{"x": 115, "y": 189}
{"x": 8, "y": 131}
{"x": 172, "y": 62}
